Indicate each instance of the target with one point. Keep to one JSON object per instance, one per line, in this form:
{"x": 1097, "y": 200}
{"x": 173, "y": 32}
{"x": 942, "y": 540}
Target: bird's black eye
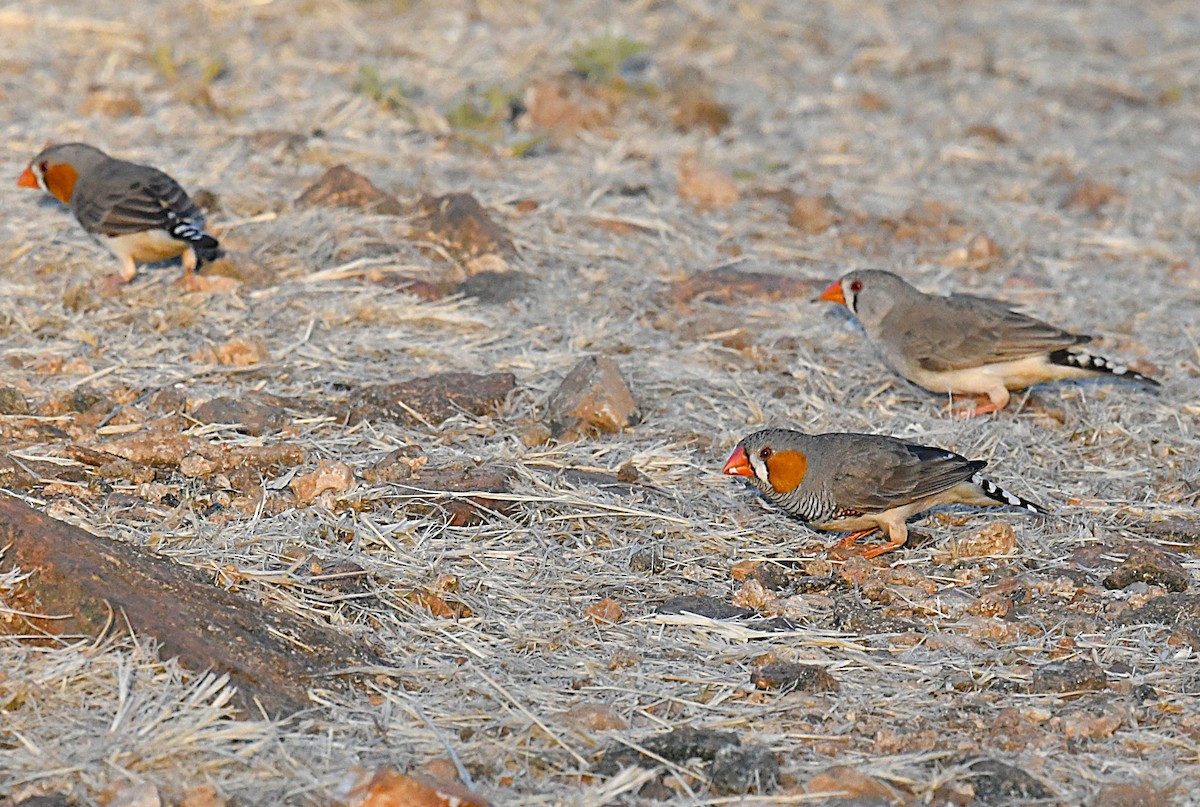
{"x": 765, "y": 453}
{"x": 856, "y": 286}
{"x": 42, "y": 166}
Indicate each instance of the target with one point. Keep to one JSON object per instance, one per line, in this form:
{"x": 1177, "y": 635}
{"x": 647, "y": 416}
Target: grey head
{"x": 80, "y": 157}
{"x": 871, "y": 295}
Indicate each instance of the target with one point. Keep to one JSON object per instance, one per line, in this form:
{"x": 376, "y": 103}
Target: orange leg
{"x": 190, "y": 261}
{"x": 848, "y": 545}
{"x": 875, "y": 551}
{"x": 851, "y": 540}
{"x": 983, "y": 406}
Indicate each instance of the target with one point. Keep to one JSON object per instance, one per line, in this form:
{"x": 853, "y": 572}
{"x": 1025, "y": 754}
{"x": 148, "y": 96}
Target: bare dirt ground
{"x": 1045, "y": 153}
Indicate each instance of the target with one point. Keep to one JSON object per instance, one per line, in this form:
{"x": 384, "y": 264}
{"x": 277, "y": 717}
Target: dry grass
{"x": 1095, "y": 92}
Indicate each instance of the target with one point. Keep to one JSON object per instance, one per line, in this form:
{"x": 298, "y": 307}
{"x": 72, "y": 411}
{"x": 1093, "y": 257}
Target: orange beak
{"x": 833, "y": 293}
{"x": 27, "y": 179}
{"x": 738, "y": 464}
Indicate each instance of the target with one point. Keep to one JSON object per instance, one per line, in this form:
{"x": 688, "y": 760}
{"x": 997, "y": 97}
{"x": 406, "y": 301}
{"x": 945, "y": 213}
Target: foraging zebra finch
{"x": 860, "y": 483}
{"x": 965, "y": 344}
{"x": 137, "y": 211}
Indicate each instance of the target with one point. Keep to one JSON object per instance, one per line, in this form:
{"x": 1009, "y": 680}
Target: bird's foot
{"x": 112, "y": 285}
{"x": 848, "y": 546}
{"x": 853, "y": 538}
{"x": 976, "y": 406}
{"x": 876, "y": 551}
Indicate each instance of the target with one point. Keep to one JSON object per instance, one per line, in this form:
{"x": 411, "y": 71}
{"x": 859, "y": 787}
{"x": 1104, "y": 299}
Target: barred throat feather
{"x": 809, "y": 506}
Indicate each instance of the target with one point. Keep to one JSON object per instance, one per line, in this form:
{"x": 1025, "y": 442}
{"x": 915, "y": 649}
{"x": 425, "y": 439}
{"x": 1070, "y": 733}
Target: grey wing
{"x": 962, "y": 331}
{"x": 891, "y": 473}
{"x": 133, "y": 198}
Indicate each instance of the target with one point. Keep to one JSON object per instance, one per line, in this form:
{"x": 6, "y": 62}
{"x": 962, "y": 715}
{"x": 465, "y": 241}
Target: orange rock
{"x": 440, "y": 769}
{"x": 607, "y": 610}
{"x": 743, "y": 569}
{"x": 563, "y": 110}
{"x": 696, "y": 107}
{"x": 979, "y": 253}
{"x": 753, "y": 595}
{"x": 238, "y": 352}
{"x": 1091, "y": 196}
{"x": 810, "y": 214}
{"x": 845, "y": 782}
{"x": 202, "y": 796}
{"x": 436, "y": 605}
{"x": 704, "y": 186}
{"x": 334, "y": 476}
{"x": 593, "y": 397}
{"x": 996, "y": 538}
{"x": 388, "y": 788}
{"x": 594, "y": 717}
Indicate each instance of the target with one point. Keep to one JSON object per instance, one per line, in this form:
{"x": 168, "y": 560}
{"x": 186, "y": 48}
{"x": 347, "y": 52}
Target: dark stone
{"x": 495, "y": 287}
{"x": 852, "y": 616}
{"x": 457, "y": 222}
{"x": 45, "y": 800}
{"x": 744, "y": 769}
{"x": 1169, "y": 609}
{"x": 12, "y": 401}
{"x": 807, "y": 584}
{"x": 628, "y": 473}
{"x": 995, "y": 781}
{"x": 1180, "y": 611}
{"x": 701, "y": 605}
{"x": 790, "y": 677}
{"x": 1181, "y": 530}
{"x": 342, "y": 187}
{"x": 88, "y": 578}
{"x": 771, "y": 577}
{"x": 432, "y": 400}
{"x": 655, "y": 790}
{"x": 1068, "y": 676}
{"x": 14, "y": 477}
{"x": 1150, "y": 567}
{"x": 677, "y": 746}
{"x": 83, "y": 399}
{"x": 398, "y": 465}
{"x": 251, "y": 416}
{"x": 438, "y": 490}
{"x": 647, "y": 560}
{"x": 170, "y": 399}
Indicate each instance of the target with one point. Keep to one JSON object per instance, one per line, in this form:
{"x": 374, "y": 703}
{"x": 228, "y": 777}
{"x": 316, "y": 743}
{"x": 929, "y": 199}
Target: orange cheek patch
{"x": 60, "y": 179}
{"x": 787, "y": 470}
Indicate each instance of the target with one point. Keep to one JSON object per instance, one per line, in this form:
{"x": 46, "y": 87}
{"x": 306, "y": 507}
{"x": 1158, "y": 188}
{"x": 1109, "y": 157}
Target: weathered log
{"x": 80, "y": 582}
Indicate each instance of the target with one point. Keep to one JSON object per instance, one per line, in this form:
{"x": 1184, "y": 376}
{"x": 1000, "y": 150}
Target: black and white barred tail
{"x": 1074, "y": 357}
{"x": 999, "y": 494}
{"x": 205, "y": 246}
